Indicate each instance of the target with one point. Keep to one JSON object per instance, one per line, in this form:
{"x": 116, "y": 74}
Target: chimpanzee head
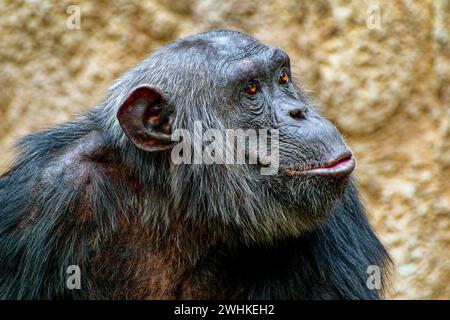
{"x": 227, "y": 80}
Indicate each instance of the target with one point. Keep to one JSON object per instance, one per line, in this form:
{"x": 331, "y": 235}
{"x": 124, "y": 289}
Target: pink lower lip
{"x": 341, "y": 167}
{"x": 339, "y": 163}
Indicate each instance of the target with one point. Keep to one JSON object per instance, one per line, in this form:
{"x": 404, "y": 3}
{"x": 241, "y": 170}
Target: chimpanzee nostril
{"x": 297, "y": 114}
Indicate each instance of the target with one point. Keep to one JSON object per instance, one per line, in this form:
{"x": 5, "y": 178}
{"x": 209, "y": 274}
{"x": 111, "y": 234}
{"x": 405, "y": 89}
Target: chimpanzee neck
{"x": 178, "y": 263}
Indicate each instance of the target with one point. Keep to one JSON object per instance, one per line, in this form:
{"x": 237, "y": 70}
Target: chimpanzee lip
{"x": 340, "y": 166}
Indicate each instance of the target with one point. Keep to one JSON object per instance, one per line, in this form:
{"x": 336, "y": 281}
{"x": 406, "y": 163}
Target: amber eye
{"x": 284, "y": 77}
{"x": 251, "y": 89}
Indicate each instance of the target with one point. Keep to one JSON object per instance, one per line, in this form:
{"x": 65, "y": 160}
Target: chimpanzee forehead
{"x": 222, "y": 45}
{"x": 226, "y": 45}
{"x": 235, "y": 47}
{"x": 228, "y": 52}
{"x": 252, "y": 64}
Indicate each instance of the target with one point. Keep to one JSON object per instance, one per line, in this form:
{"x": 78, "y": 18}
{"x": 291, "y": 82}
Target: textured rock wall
{"x": 379, "y": 69}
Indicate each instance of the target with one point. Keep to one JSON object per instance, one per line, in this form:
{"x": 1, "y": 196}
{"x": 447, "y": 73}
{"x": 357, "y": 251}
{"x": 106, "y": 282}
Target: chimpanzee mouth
{"x": 340, "y": 166}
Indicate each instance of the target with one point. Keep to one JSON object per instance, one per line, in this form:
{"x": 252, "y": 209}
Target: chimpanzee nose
{"x": 297, "y": 113}
{"x": 289, "y": 111}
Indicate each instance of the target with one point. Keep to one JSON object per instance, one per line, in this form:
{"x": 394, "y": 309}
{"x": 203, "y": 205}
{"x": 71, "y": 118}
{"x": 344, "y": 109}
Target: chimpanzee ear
{"x": 146, "y": 118}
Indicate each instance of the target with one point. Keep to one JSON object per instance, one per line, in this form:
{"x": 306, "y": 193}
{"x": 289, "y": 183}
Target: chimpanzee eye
{"x": 284, "y": 77}
{"x": 252, "y": 88}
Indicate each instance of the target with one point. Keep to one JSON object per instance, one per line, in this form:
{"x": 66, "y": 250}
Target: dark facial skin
{"x": 308, "y": 140}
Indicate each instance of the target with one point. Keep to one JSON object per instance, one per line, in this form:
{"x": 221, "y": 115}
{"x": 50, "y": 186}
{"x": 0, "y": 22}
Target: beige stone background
{"x": 384, "y": 82}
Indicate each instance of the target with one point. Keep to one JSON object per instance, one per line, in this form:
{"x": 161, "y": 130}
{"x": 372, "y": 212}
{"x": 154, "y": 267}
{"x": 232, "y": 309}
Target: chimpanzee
{"x": 102, "y": 193}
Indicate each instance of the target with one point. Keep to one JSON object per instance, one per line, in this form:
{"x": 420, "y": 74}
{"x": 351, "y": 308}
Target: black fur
{"x": 72, "y": 188}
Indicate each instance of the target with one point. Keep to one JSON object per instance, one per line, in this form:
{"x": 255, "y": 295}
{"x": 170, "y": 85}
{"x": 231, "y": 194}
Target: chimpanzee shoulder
{"x": 57, "y": 199}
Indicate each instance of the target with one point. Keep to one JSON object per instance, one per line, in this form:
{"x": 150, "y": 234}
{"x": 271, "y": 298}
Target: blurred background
{"x": 380, "y": 70}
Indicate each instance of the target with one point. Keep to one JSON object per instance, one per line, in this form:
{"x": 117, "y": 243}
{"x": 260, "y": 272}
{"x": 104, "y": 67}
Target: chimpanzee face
{"x": 227, "y": 80}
